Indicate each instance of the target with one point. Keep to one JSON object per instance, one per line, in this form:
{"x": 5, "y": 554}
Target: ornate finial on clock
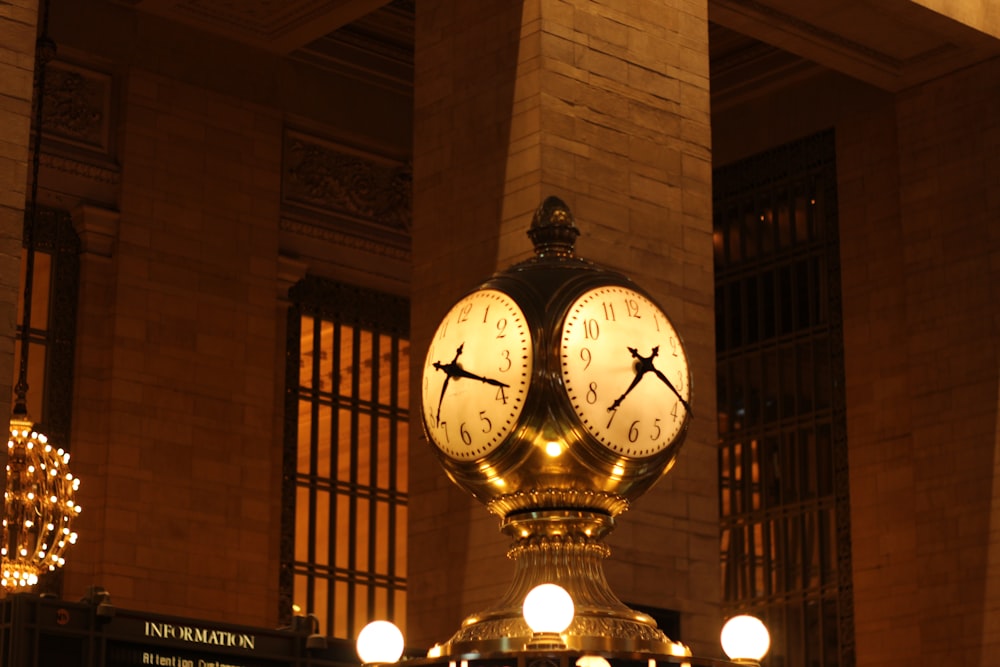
{"x": 553, "y": 230}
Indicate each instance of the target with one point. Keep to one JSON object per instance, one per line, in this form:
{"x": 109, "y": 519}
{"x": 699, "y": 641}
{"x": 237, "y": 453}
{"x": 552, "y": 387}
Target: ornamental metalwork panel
{"x": 345, "y": 457}
{"x": 784, "y": 501}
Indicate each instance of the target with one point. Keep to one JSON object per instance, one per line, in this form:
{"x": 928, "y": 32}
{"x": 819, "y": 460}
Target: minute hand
{"x": 670, "y": 384}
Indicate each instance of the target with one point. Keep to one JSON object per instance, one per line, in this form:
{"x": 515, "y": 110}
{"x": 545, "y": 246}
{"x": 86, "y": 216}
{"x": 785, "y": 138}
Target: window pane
{"x": 350, "y": 462}
{"x": 778, "y": 376}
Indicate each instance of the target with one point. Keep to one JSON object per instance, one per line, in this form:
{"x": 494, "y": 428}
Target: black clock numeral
{"x": 444, "y": 427}
{"x": 591, "y": 329}
{"x": 612, "y": 417}
{"x": 633, "y": 431}
{"x": 609, "y": 311}
{"x": 504, "y": 367}
{"x": 465, "y": 435}
{"x": 487, "y": 424}
{"x": 632, "y": 307}
{"x": 673, "y": 411}
{"x": 586, "y": 357}
{"x": 591, "y": 396}
{"x": 501, "y": 396}
{"x": 463, "y": 313}
{"x": 501, "y": 327}
{"x": 680, "y": 380}
{"x": 486, "y": 313}
{"x": 657, "y": 430}
{"x": 673, "y": 345}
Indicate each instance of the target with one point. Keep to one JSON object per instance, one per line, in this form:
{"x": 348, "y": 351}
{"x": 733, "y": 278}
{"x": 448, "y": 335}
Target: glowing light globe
{"x": 548, "y": 608}
{"x": 380, "y": 642}
{"x": 745, "y": 639}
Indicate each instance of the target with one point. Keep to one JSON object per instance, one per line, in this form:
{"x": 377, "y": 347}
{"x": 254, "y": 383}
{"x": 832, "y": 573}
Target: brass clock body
{"x": 524, "y": 422}
{"x": 556, "y": 393}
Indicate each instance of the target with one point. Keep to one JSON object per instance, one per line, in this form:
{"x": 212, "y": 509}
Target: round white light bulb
{"x": 380, "y": 642}
{"x": 548, "y": 608}
{"x": 745, "y": 638}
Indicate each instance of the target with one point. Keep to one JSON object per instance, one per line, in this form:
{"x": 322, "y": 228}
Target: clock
{"x": 624, "y": 371}
{"x": 476, "y": 375}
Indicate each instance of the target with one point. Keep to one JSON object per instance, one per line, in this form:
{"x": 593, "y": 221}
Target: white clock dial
{"x": 625, "y": 371}
{"x": 476, "y": 375}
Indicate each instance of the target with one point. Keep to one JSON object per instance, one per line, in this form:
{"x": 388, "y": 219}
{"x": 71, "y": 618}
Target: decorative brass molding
{"x": 508, "y": 504}
{"x": 345, "y": 196}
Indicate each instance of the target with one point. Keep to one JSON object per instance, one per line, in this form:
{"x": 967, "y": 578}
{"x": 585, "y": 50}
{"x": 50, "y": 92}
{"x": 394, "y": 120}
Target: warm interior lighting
{"x": 38, "y": 507}
{"x": 745, "y": 639}
{"x": 380, "y": 642}
{"x": 553, "y": 448}
{"x": 548, "y": 608}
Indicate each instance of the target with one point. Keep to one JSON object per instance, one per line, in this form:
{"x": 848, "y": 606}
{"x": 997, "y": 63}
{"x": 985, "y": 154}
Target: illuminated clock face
{"x": 625, "y": 371}
{"x": 476, "y": 375}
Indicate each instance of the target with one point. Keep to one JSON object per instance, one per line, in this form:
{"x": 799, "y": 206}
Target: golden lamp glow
{"x": 745, "y": 639}
{"x": 38, "y": 508}
{"x": 380, "y": 643}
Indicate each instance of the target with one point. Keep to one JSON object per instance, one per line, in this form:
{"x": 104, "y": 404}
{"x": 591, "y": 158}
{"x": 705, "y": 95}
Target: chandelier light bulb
{"x": 745, "y": 639}
{"x": 548, "y": 608}
{"x": 380, "y": 642}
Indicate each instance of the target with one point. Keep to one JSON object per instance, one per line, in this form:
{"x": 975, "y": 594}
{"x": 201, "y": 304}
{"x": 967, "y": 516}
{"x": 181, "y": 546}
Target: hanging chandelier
{"x": 38, "y": 507}
{"x": 38, "y": 500}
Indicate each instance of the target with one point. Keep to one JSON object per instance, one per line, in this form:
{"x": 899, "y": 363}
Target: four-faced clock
{"x": 625, "y": 371}
{"x": 476, "y": 375}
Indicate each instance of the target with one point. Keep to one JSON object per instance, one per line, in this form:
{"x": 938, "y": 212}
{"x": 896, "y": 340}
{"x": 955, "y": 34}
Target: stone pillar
{"x": 18, "y": 23}
{"x": 605, "y": 105}
{"x": 98, "y": 231}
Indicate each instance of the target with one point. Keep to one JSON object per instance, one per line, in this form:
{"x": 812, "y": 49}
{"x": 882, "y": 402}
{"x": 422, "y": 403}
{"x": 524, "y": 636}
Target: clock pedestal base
{"x": 564, "y": 547}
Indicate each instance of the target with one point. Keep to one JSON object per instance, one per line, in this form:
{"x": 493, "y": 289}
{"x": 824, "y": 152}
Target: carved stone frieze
{"x": 76, "y": 106}
{"x": 347, "y": 197}
{"x": 324, "y": 232}
{"x": 81, "y": 168}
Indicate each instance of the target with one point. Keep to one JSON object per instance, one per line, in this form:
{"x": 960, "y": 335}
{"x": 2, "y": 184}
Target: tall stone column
{"x": 97, "y": 228}
{"x": 605, "y": 105}
{"x": 18, "y": 23}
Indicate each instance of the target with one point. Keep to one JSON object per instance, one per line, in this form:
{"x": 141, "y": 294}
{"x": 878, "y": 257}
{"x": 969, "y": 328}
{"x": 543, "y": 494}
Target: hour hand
{"x": 618, "y": 401}
{"x": 462, "y": 373}
{"x": 447, "y": 368}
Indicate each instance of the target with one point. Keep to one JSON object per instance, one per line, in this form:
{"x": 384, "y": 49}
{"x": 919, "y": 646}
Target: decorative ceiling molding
{"x": 743, "y": 68}
{"x": 377, "y": 49}
{"x": 893, "y": 44}
{"x": 279, "y": 26}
